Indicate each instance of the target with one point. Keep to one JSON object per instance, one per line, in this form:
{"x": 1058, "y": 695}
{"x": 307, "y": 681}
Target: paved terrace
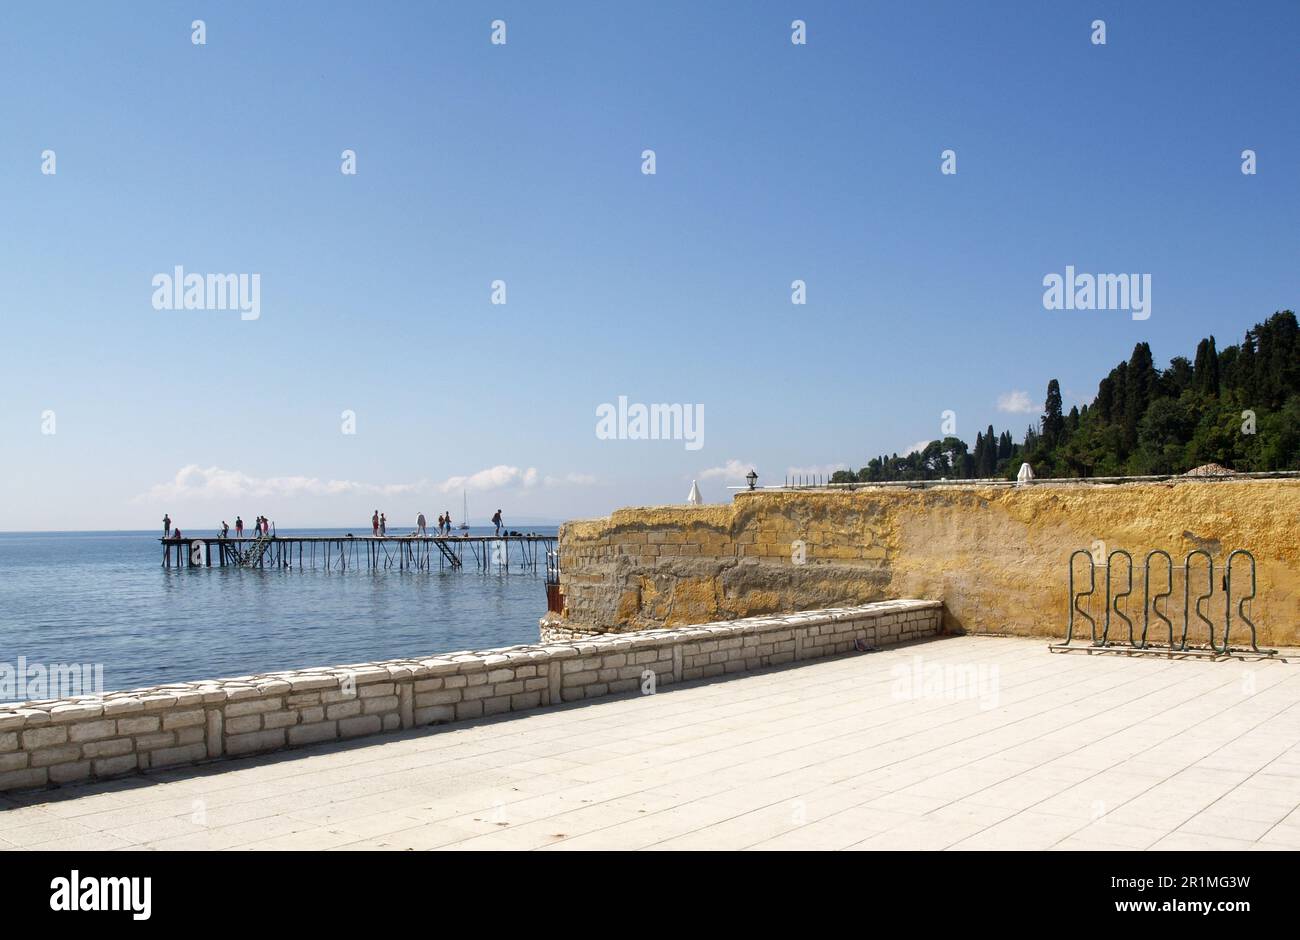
{"x": 864, "y": 751}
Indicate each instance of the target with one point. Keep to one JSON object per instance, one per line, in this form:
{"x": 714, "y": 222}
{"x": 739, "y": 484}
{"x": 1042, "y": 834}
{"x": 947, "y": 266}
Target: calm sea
{"x": 103, "y": 597}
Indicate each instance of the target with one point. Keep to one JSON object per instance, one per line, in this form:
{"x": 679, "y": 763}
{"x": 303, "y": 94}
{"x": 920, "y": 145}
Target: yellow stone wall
{"x": 995, "y": 555}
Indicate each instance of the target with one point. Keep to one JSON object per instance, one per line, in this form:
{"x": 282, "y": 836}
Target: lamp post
{"x": 752, "y": 477}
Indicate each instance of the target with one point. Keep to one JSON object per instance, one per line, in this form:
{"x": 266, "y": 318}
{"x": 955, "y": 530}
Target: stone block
{"x": 24, "y": 779}
{"x": 253, "y": 707}
{"x": 148, "y": 742}
{"x": 112, "y": 766}
{"x": 92, "y": 730}
{"x": 140, "y": 725}
{"x": 380, "y": 704}
{"x": 313, "y": 733}
{"x": 524, "y": 700}
{"x": 243, "y": 724}
{"x": 190, "y": 735}
{"x": 171, "y": 756}
{"x": 362, "y": 724}
{"x": 76, "y": 711}
{"x": 466, "y": 710}
{"x": 438, "y": 697}
{"x": 189, "y": 718}
{"x": 113, "y": 747}
{"x": 343, "y": 710}
{"x": 282, "y": 719}
{"x": 434, "y": 714}
{"x": 254, "y": 741}
{"x": 45, "y": 737}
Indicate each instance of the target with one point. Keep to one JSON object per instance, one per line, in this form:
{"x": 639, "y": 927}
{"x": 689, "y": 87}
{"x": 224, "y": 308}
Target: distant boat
{"x": 464, "y": 517}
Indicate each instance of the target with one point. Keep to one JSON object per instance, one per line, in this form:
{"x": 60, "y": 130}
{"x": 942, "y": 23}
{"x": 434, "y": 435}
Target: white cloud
{"x": 917, "y": 447}
{"x": 731, "y": 470}
{"x": 195, "y": 482}
{"x": 1016, "y": 403}
{"x": 494, "y": 478}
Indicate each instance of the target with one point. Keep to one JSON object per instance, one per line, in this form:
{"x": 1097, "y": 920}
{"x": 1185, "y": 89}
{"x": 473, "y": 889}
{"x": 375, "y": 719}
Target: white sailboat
{"x": 464, "y": 517}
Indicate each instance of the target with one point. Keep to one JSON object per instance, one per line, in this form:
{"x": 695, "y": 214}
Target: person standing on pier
{"x": 383, "y": 526}
{"x": 239, "y": 527}
{"x": 225, "y": 529}
{"x": 374, "y": 524}
{"x": 419, "y": 524}
{"x": 447, "y": 515}
{"x": 496, "y": 520}
{"x": 167, "y": 526}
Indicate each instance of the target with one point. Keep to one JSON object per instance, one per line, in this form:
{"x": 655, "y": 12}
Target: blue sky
{"x": 522, "y": 162}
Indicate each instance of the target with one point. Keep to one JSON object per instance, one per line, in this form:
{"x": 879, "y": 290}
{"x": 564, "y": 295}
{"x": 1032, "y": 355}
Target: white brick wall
{"x": 64, "y": 741}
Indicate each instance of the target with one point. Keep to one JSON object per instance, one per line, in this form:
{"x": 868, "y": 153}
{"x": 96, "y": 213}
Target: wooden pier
{"x": 371, "y": 553}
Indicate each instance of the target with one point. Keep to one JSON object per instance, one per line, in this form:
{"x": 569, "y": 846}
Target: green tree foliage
{"x": 1053, "y": 420}
{"x": 1239, "y": 407}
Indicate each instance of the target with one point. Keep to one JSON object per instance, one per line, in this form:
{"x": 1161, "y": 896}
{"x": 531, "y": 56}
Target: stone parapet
{"x": 88, "y": 738}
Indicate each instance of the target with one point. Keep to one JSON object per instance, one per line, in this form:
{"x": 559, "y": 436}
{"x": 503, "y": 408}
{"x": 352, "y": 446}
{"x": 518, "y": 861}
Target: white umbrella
{"x": 694, "y": 498}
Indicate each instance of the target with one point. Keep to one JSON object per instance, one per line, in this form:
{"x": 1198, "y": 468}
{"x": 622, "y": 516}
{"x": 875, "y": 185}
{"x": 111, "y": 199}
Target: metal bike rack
{"x": 1076, "y": 597}
{"x": 1238, "y": 607}
{"x": 1187, "y": 589}
{"x": 1113, "y": 599}
{"x": 1151, "y": 604}
{"x": 1158, "y": 585}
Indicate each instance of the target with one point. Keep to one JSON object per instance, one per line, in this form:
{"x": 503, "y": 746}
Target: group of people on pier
{"x": 263, "y": 526}
{"x": 378, "y": 526}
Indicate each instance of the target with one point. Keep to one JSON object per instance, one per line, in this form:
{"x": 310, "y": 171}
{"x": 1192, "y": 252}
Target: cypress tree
{"x": 1053, "y": 422}
{"x": 1206, "y": 370}
{"x": 1106, "y": 397}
